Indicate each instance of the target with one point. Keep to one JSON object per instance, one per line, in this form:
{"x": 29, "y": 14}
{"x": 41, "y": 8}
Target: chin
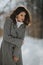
{"x": 20, "y": 21}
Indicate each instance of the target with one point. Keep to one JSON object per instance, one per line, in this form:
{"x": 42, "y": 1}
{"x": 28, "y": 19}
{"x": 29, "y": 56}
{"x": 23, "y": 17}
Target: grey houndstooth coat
{"x": 12, "y": 42}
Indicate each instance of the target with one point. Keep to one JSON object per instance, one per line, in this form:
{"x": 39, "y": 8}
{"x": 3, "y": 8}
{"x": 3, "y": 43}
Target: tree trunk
{"x": 35, "y": 7}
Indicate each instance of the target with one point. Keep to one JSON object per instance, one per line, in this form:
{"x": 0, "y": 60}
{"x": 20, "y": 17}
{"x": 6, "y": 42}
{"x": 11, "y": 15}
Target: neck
{"x": 17, "y": 20}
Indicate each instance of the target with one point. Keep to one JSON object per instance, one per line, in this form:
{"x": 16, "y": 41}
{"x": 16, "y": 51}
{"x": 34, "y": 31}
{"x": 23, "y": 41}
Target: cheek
{"x": 19, "y": 18}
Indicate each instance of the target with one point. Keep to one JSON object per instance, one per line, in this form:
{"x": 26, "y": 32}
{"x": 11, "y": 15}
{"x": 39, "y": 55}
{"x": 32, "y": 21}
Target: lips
{"x": 22, "y": 19}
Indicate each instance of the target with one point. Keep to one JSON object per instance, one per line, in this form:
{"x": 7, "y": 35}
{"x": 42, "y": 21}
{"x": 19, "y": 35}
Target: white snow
{"x": 32, "y": 51}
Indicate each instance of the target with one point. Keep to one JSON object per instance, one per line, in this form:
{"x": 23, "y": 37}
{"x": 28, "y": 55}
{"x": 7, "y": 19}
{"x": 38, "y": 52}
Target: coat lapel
{"x": 15, "y": 26}
{"x": 21, "y": 26}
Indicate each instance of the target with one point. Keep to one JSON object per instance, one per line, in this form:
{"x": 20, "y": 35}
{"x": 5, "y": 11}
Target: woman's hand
{"x": 15, "y": 59}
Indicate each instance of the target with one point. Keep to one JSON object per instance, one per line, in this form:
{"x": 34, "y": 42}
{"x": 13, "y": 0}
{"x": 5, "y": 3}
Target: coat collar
{"x": 15, "y": 24}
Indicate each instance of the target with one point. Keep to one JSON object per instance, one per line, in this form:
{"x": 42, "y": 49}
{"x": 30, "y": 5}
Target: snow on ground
{"x": 32, "y": 51}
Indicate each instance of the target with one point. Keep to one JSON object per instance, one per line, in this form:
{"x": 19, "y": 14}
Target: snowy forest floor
{"x": 32, "y": 51}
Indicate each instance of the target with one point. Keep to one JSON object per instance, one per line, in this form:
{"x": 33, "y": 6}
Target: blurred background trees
{"x": 33, "y": 50}
{"x": 36, "y": 9}
{"x": 6, "y": 8}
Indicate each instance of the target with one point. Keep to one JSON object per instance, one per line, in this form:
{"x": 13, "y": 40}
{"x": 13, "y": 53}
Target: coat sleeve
{"x": 16, "y": 52}
{"x": 7, "y": 37}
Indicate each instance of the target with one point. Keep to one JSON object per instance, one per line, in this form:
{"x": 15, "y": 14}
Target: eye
{"x": 21, "y": 15}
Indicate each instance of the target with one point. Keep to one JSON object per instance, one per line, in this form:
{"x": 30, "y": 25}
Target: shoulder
{"x": 8, "y": 21}
{"x": 23, "y": 25}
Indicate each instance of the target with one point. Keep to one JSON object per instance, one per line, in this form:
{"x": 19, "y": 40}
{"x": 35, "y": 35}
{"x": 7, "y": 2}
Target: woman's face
{"x": 21, "y": 16}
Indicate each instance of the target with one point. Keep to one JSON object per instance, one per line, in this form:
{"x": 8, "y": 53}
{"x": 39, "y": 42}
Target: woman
{"x": 14, "y": 29}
